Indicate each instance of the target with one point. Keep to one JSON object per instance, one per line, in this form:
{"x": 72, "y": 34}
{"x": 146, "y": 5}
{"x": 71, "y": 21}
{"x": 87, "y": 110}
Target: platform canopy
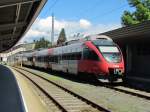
{"x": 133, "y": 33}
{"x": 16, "y": 17}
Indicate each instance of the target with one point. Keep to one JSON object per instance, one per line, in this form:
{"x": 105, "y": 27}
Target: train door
{"x": 88, "y": 64}
{"x": 73, "y": 63}
{"x": 33, "y": 61}
{"x": 65, "y": 62}
{"x": 59, "y": 63}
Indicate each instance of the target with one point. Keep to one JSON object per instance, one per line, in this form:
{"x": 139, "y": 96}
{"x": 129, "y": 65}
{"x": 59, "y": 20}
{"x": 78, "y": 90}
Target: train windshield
{"x": 111, "y": 53}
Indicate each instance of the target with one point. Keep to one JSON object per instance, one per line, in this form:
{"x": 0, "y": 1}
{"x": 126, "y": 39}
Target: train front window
{"x": 90, "y": 55}
{"x": 111, "y": 53}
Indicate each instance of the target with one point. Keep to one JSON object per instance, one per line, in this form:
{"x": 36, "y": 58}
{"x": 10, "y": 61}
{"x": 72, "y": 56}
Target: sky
{"x": 86, "y": 17}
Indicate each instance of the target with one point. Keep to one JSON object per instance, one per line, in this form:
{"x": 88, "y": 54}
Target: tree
{"x": 142, "y": 12}
{"x": 42, "y": 43}
{"x": 62, "y": 37}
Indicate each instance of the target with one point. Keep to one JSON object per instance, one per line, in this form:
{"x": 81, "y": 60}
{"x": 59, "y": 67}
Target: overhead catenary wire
{"x": 54, "y": 3}
{"x": 51, "y": 6}
{"x": 46, "y": 14}
{"x": 89, "y": 9}
{"x": 110, "y": 12}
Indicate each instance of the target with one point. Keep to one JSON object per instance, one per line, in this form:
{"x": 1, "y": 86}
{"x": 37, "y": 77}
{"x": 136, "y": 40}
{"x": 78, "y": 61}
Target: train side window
{"x": 72, "y": 56}
{"x": 41, "y": 59}
{"x": 37, "y": 58}
{"x": 45, "y": 58}
{"x": 29, "y": 58}
{"x": 52, "y": 59}
{"x": 67, "y": 56}
{"x": 59, "y": 58}
{"x": 64, "y": 57}
{"x": 49, "y": 59}
{"x": 55, "y": 59}
{"x": 90, "y": 54}
{"x": 78, "y": 56}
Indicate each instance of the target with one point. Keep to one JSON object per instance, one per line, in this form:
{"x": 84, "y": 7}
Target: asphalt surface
{"x": 10, "y": 97}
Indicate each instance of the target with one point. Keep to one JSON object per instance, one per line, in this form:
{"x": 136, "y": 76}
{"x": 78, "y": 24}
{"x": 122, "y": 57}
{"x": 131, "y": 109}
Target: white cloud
{"x": 42, "y": 28}
{"x": 84, "y": 23}
{"x": 100, "y": 28}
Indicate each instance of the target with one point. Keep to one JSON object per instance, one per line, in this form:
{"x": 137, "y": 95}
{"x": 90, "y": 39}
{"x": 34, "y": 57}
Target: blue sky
{"x": 78, "y": 16}
{"x": 97, "y": 11}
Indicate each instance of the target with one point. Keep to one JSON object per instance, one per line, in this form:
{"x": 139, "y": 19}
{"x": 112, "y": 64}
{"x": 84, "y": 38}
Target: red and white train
{"x": 96, "y": 55}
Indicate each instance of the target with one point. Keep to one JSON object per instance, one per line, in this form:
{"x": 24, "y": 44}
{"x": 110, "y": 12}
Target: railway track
{"x": 133, "y": 92}
{"x": 64, "y": 99}
{"x": 138, "y": 93}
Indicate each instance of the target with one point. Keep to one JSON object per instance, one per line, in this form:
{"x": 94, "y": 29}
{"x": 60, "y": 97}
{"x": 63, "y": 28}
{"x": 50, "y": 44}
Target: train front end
{"x": 110, "y": 65}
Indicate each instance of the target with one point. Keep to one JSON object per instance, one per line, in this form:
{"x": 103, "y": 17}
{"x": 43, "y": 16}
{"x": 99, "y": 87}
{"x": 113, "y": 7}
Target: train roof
{"x": 42, "y": 52}
{"x": 74, "y": 46}
{"x": 103, "y": 43}
{"x": 97, "y": 37}
{"x": 27, "y": 54}
{"x": 89, "y": 38}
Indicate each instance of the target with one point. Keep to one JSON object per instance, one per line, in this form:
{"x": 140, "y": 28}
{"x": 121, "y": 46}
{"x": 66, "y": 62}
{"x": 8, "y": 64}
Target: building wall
{"x": 141, "y": 59}
{"x": 138, "y": 59}
{"x": 16, "y": 49}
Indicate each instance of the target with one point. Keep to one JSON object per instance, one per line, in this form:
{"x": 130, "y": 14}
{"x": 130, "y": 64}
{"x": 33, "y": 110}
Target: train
{"x": 94, "y": 55}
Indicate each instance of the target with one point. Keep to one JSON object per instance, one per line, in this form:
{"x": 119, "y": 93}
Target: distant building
{"x": 16, "y": 49}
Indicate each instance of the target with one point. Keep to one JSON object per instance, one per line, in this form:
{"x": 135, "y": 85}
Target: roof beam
{"x": 9, "y": 32}
{"x": 11, "y": 26}
{"x": 17, "y": 17}
{"x": 28, "y": 12}
{"x": 3, "y": 3}
{"x": 8, "y": 37}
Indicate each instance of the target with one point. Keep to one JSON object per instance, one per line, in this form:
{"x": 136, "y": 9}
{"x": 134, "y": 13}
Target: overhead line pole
{"x": 52, "y": 32}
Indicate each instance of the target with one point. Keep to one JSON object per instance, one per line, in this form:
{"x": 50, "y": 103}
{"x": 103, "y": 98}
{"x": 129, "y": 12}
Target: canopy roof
{"x": 16, "y": 17}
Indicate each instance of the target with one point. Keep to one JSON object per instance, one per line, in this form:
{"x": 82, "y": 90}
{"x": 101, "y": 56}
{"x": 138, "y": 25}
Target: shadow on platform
{"x": 10, "y": 97}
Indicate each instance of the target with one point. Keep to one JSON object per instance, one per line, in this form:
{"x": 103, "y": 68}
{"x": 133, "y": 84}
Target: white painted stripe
{"x": 24, "y": 102}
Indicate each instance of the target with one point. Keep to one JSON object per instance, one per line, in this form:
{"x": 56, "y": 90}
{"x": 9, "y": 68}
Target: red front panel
{"x": 93, "y": 67}
{"x": 98, "y": 67}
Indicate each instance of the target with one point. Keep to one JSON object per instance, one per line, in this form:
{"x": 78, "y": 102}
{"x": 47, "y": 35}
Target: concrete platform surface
{"x": 32, "y": 101}
{"x": 10, "y": 97}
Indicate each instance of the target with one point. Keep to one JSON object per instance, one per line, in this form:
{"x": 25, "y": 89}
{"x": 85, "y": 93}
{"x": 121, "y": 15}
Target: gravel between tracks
{"x": 113, "y": 100}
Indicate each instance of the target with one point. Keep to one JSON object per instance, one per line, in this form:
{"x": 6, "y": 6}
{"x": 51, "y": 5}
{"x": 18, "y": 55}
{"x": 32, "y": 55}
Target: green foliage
{"x": 62, "y": 37}
{"x": 42, "y": 43}
{"x": 142, "y": 12}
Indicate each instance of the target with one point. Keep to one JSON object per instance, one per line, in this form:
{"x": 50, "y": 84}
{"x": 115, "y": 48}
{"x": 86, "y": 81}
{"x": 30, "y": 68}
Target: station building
{"x": 16, "y": 49}
{"x": 135, "y": 44}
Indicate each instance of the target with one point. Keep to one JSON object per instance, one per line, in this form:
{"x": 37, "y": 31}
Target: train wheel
{"x": 67, "y": 71}
{"x": 111, "y": 79}
{"x": 124, "y": 80}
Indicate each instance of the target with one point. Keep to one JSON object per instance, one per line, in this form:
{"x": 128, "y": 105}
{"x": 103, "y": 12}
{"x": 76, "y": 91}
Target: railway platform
{"x": 16, "y": 95}
{"x": 139, "y": 82}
